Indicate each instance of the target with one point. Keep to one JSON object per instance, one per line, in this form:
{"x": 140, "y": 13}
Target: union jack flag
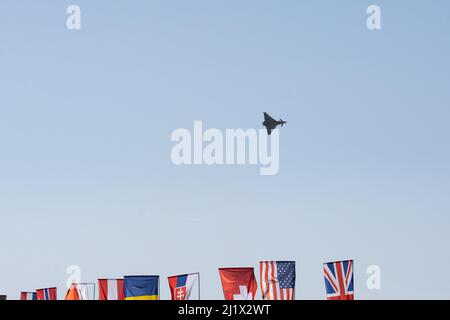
{"x": 339, "y": 280}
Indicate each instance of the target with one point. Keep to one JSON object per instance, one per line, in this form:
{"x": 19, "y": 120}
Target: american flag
{"x": 339, "y": 280}
{"x": 277, "y": 280}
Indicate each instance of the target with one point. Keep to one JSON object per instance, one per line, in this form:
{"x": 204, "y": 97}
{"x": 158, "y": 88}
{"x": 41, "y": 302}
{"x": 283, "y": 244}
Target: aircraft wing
{"x": 268, "y": 118}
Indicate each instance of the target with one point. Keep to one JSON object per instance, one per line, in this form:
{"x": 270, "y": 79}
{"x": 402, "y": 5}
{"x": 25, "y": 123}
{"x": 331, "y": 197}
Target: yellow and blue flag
{"x": 141, "y": 287}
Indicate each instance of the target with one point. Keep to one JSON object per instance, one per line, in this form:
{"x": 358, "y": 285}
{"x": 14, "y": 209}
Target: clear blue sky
{"x": 86, "y": 117}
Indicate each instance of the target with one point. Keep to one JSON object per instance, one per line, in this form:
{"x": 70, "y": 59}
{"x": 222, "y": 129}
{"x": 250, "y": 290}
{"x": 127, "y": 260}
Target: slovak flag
{"x": 111, "y": 289}
{"x": 46, "y": 294}
{"x": 238, "y": 283}
{"x": 28, "y": 296}
{"x": 181, "y": 286}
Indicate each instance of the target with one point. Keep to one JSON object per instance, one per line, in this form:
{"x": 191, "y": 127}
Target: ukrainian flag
{"x": 141, "y": 287}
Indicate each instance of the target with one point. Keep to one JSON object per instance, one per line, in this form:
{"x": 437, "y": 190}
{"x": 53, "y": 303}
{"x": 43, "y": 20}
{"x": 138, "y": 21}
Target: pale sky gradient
{"x": 86, "y": 118}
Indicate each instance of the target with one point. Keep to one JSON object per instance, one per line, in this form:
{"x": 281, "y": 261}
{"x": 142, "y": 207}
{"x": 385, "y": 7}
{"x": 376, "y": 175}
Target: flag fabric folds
{"x": 77, "y": 291}
{"x": 111, "y": 289}
{"x": 141, "y": 287}
{"x": 72, "y": 293}
{"x": 238, "y": 283}
{"x": 181, "y": 285}
{"x": 277, "y": 280}
{"x": 339, "y": 280}
{"x": 28, "y": 296}
{"x": 46, "y": 294}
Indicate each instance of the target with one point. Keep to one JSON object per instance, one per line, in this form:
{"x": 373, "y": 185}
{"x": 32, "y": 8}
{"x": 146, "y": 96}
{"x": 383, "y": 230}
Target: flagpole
{"x": 87, "y": 284}
{"x": 198, "y": 285}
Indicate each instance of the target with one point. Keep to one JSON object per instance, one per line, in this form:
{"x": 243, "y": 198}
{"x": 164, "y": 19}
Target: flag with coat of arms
{"x": 181, "y": 286}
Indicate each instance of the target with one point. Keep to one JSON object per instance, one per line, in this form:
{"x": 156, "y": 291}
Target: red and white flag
{"x": 111, "y": 289}
{"x": 238, "y": 283}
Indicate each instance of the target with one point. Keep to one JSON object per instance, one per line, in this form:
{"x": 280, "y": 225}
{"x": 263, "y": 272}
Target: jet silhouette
{"x": 270, "y": 123}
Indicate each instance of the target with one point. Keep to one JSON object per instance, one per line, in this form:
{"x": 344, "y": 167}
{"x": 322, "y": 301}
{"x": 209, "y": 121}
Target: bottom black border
{"x": 216, "y": 309}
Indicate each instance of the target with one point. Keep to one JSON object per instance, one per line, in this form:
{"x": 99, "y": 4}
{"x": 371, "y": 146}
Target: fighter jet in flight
{"x": 270, "y": 123}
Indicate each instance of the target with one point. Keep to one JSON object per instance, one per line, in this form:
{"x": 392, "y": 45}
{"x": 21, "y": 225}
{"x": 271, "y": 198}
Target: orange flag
{"x": 72, "y": 293}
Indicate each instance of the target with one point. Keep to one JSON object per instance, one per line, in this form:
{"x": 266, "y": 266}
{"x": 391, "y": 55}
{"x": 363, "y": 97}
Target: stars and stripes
{"x": 339, "y": 280}
{"x": 277, "y": 280}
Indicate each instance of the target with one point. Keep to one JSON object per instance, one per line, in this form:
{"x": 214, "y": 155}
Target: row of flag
{"x": 277, "y": 282}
